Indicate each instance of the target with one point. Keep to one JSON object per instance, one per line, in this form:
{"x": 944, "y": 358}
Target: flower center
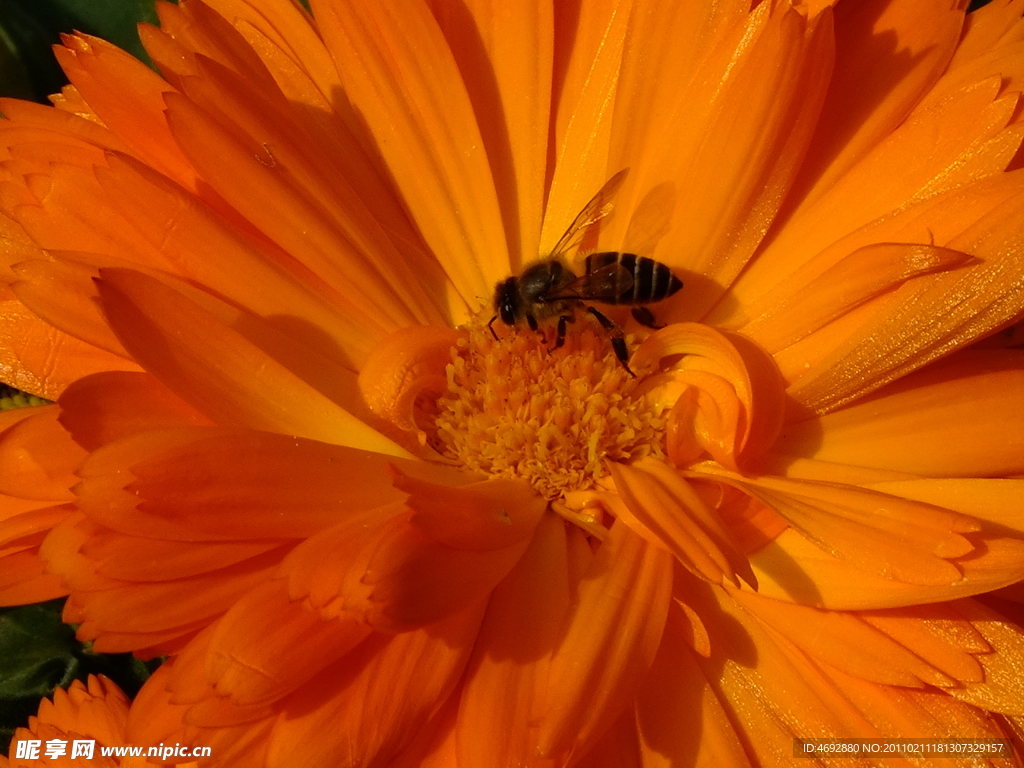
{"x": 516, "y": 408}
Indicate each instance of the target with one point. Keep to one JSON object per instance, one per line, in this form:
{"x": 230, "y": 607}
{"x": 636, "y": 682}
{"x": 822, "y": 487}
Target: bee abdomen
{"x": 651, "y": 280}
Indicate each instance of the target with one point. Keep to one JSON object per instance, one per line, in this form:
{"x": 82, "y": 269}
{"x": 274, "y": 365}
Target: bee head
{"x": 506, "y": 300}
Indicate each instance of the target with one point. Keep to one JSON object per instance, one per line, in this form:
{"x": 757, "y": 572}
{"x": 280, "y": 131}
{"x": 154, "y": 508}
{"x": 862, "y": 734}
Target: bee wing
{"x": 600, "y": 205}
{"x": 602, "y": 284}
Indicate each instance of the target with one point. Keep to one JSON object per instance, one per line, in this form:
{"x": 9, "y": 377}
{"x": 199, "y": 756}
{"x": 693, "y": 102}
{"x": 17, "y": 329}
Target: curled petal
{"x": 405, "y": 366}
{"x": 732, "y": 399}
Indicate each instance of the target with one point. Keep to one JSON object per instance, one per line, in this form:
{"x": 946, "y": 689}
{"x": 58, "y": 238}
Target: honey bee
{"x": 549, "y": 288}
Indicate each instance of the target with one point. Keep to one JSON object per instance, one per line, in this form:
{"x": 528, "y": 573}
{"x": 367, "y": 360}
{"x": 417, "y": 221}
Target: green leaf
{"x": 38, "y": 653}
{"x": 28, "y": 29}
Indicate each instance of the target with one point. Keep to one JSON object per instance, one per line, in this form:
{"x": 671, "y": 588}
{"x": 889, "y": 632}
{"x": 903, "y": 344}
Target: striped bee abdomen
{"x": 637, "y": 280}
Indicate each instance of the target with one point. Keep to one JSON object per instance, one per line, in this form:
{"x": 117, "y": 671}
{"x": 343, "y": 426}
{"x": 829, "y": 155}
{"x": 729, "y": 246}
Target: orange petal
{"x": 266, "y": 646}
{"x": 287, "y": 26}
{"x": 821, "y": 702}
{"x": 415, "y": 579}
{"x": 105, "y": 407}
{"x": 17, "y": 246}
{"x": 209, "y": 247}
{"x": 128, "y": 97}
{"x": 757, "y": 666}
{"x": 911, "y": 713}
{"x": 925, "y": 318}
{"x": 792, "y": 568}
{"x": 154, "y": 717}
{"x": 37, "y": 358}
{"x": 617, "y": 747}
{"x": 995, "y": 501}
{"x": 510, "y": 660}
{"x": 480, "y": 516}
{"x": 125, "y": 615}
{"x": 38, "y": 456}
{"x": 69, "y": 211}
{"x": 986, "y": 28}
{"x": 956, "y": 418}
{"x": 677, "y": 711}
{"x": 610, "y": 644}
{"x": 334, "y": 142}
{"x": 797, "y": 307}
{"x": 423, "y": 124}
{"x": 54, "y": 123}
{"x": 940, "y": 151}
{"x": 24, "y": 580}
{"x": 404, "y": 366}
{"x": 384, "y": 693}
{"x": 737, "y": 411}
{"x": 674, "y": 55}
{"x": 759, "y": 97}
{"x": 132, "y": 558}
{"x": 61, "y": 292}
{"x": 96, "y": 709}
{"x": 886, "y": 536}
{"x": 587, "y": 68}
{"x": 225, "y": 376}
{"x": 1001, "y": 689}
{"x": 666, "y": 511}
{"x": 504, "y": 54}
{"x": 327, "y": 567}
{"x": 322, "y": 220}
{"x": 213, "y": 485}
{"x": 873, "y": 88}
{"x": 929, "y": 651}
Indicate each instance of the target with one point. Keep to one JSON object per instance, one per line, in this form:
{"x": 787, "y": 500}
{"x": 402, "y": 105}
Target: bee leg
{"x": 535, "y": 326}
{"x": 490, "y": 327}
{"x": 618, "y": 342}
{"x": 645, "y": 317}
{"x": 563, "y": 320}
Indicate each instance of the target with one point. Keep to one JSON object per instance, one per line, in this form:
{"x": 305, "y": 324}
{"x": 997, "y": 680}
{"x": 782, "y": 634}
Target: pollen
{"x": 553, "y": 417}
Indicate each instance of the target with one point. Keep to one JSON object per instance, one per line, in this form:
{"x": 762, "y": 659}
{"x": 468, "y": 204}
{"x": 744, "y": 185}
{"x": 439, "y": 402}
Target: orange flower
{"x": 372, "y": 526}
{"x": 73, "y": 729}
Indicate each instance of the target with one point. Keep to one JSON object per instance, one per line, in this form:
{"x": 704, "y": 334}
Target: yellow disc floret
{"x": 515, "y": 408}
